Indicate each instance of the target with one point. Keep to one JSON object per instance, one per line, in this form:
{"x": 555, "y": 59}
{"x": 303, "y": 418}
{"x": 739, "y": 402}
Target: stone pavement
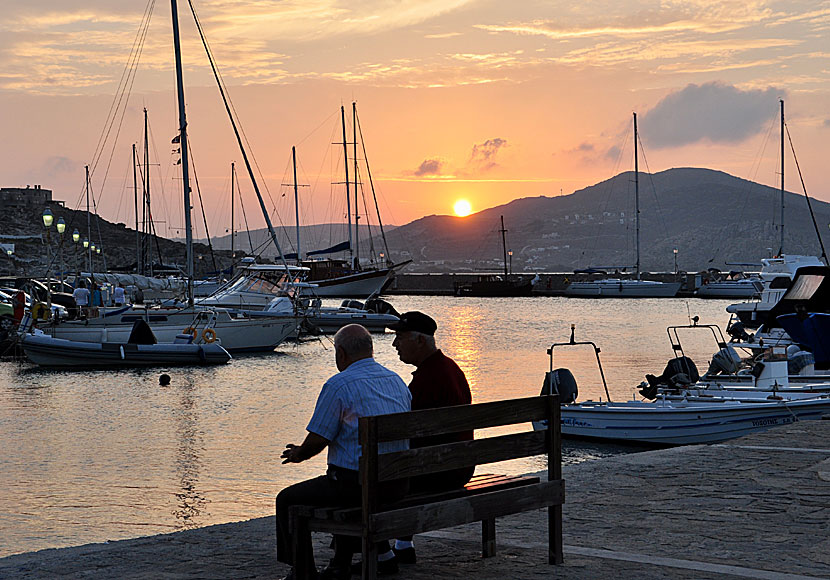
{"x": 756, "y": 507}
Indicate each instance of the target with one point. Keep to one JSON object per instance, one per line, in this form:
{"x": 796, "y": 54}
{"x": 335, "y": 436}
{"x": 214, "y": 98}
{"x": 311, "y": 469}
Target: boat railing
{"x": 573, "y": 342}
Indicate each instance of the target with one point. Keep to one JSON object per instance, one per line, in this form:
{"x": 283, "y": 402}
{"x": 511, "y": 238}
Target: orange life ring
{"x": 191, "y": 331}
{"x": 209, "y": 335}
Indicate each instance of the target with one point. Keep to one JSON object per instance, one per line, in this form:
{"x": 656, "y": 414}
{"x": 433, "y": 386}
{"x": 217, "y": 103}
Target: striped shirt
{"x": 364, "y": 389}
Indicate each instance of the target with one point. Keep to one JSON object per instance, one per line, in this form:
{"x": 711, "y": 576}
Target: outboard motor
{"x": 380, "y": 306}
{"x": 141, "y": 333}
{"x": 679, "y": 371}
{"x": 561, "y": 382}
{"x": 726, "y": 361}
{"x": 800, "y": 362}
{"x": 737, "y": 332}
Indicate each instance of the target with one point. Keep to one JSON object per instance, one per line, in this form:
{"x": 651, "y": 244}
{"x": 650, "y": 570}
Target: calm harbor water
{"x": 90, "y": 456}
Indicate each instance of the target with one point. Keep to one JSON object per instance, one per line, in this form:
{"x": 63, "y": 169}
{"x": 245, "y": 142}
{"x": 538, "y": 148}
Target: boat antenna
{"x": 248, "y": 166}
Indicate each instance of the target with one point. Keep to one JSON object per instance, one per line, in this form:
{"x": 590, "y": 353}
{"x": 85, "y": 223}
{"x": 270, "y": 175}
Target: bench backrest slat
{"x": 460, "y": 418}
{"x": 426, "y": 460}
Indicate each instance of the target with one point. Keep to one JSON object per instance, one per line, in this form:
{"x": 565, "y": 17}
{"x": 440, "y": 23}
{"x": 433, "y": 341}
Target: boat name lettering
{"x": 764, "y": 422}
{"x": 573, "y": 422}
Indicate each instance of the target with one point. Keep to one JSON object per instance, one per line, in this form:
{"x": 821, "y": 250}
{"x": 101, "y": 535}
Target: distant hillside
{"x": 711, "y": 218}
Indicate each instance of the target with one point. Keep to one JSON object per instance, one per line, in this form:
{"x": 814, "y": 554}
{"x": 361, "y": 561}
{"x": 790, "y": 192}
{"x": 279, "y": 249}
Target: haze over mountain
{"x": 711, "y": 217}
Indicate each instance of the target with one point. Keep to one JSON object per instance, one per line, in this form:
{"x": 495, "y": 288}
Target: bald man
{"x": 362, "y": 388}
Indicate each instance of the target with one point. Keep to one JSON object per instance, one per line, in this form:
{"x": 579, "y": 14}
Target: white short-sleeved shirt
{"x": 81, "y": 296}
{"x": 364, "y": 389}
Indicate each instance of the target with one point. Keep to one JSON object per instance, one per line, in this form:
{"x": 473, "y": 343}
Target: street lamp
{"x": 61, "y": 226}
{"x": 48, "y": 218}
{"x": 510, "y": 261}
{"x": 674, "y": 251}
{"x": 76, "y": 238}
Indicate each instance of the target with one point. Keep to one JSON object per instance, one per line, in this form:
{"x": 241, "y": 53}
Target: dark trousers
{"x": 339, "y": 487}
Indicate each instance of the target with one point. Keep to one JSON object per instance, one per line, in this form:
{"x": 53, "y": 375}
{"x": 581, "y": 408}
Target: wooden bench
{"x": 484, "y": 499}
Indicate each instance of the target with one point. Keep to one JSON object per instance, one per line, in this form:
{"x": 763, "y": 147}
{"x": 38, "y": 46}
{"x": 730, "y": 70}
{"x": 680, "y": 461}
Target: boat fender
{"x": 209, "y": 335}
{"x": 191, "y": 331}
{"x": 40, "y": 311}
{"x": 121, "y": 350}
{"x": 561, "y": 382}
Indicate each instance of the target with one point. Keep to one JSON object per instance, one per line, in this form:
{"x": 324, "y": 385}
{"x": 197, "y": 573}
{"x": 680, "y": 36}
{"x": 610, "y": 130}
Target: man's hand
{"x": 290, "y": 455}
{"x": 312, "y": 445}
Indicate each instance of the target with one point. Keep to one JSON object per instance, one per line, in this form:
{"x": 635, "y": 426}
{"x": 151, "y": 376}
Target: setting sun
{"x": 462, "y": 208}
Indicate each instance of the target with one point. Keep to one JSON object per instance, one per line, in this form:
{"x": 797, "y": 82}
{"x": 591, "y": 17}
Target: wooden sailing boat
{"x": 347, "y": 277}
{"x": 495, "y": 284}
{"x": 625, "y": 288}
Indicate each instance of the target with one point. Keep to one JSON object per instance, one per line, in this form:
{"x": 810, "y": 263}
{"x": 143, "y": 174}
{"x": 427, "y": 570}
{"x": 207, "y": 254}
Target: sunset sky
{"x": 481, "y": 100}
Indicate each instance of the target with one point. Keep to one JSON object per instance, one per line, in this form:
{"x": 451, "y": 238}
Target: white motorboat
{"x": 742, "y": 288}
{"x": 777, "y": 275}
{"x": 671, "y": 420}
{"x": 634, "y": 288}
{"x": 236, "y": 331}
{"x": 47, "y": 351}
{"x": 680, "y": 422}
{"x": 620, "y": 288}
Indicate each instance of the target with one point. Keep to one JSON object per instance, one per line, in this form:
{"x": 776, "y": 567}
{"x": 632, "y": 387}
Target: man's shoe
{"x": 405, "y": 555}
{"x": 336, "y": 572}
{"x": 292, "y": 576}
{"x": 385, "y": 567}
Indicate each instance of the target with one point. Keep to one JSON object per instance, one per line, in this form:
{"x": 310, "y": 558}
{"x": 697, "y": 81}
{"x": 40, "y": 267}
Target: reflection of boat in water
{"x": 141, "y": 349}
{"x": 507, "y": 284}
{"x": 671, "y": 421}
{"x": 620, "y": 288}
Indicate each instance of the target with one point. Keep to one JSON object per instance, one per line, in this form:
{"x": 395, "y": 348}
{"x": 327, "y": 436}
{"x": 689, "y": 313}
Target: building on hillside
{"x": 29, "y": 196}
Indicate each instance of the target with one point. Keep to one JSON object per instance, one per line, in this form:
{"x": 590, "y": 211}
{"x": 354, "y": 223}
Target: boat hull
{"x": 727, "y": 290}
{"x": 55, "y": 352}
{"x": 358, "y": 285}
{"x": 669, "y": 423}
{"x": 613, "y": 288}
{"x": 236, "y": 333}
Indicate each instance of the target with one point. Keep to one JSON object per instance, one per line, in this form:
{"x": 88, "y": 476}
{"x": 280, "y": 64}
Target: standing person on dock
{"x": 81, "y": 296}
{"x": 119, "y": 295}
{"x": 362, "y": 388}
{"x": 436, "y": 382}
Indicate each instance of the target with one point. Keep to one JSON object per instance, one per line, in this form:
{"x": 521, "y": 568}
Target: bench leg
{"x": 556, "y": 554}
{"x": 301, "y": 543}
{"x": 488, "y": 538}
{"x": 370, "y": 560}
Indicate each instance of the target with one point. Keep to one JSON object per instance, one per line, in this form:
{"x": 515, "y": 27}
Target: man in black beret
{"x": 436, "y": 382}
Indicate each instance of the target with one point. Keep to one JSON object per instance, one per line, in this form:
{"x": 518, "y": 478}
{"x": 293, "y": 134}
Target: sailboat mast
{"x": 781, "y": 242}
{"x": 232, "y": 204}
{"x": 636, "y": 197}
{"x": 296, "y": 203}
{"x": 135, "y": 196}
{"x": 504, "y": 245}
{"x": 356, "y": 206}
{"x": 148, "y": 211}
{"x": 88, "y": 226}
{"x": 348, "y": 193}
{"x": 183, "y": 141}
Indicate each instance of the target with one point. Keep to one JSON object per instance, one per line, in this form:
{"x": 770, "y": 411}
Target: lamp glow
{"x": 47, "y": 217}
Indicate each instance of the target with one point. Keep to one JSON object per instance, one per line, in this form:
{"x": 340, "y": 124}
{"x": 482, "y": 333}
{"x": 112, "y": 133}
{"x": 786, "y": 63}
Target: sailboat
{"x": 496, "y": 284}
{"x": 235, "y": 331}
{"x": 777, "y": 272}
{"x": 625, "y": 288}
{"x": 339, "y": 277}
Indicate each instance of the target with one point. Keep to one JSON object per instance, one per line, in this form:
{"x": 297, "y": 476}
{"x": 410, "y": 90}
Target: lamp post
{"x": 48, "y": 218}
{"x": 9, "y": 253}
{"x": 510, "y": 261}
{"x": 61, "y": 226}
{"x": 76, "y": 238}
{"x": 674, "y": 251}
